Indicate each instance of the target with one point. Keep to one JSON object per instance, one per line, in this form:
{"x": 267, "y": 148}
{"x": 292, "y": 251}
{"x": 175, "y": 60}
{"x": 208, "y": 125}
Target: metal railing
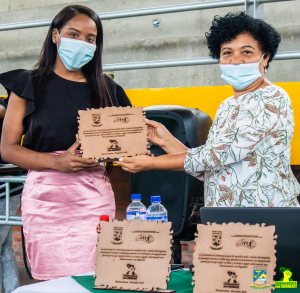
{"x": 253, "y": 7}
{"x": 147, "y": 11}
{"x": 183, "y": 62}
{"x": 7, "y": 219}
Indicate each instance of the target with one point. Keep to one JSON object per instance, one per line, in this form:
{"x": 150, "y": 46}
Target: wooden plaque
{"x": 112, "y": 132}
{"x": 234, "y": 258}
{"x": 133, "y": 255}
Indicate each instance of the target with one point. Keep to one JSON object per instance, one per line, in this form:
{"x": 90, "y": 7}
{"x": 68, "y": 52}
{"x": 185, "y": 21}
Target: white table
{"x": 61, "y": 285}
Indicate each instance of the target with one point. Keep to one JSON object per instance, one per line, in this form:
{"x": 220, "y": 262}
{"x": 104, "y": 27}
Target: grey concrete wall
{"x": 179, "y": 35}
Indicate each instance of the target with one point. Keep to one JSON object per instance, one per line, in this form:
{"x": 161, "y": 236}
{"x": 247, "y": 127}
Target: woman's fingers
{"x": 148, "y": 153}
{"x": 128, "y": 170}
{"x": 136, "y": 164}
{"x": 127, "y": 160}
{"x": 75, "y": 146}
{"x": 127, "y": 167}
{"x": 84, "y": 161}
{"x": 84, "y": 166}
{"x": 124, "y": 165}
{"x": 153, "y": 123}
{"x": 70, "y": 162}
{"x": 157, "y": 133}
{"x": 77, "y": 166}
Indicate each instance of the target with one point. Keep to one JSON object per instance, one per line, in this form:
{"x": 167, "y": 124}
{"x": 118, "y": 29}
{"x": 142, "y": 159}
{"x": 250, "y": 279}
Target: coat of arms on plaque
{"x": 216, "y": 240}
{"x": 259, "y": 278}
{"x": 117, "y": 238}
{"x": 96, "y": 119}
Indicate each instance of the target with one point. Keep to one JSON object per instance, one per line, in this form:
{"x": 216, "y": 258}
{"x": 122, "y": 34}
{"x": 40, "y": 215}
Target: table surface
{"x": 69, "y": 285}
{"x": 180, "y": 281}
{"x": 61, "y": 285}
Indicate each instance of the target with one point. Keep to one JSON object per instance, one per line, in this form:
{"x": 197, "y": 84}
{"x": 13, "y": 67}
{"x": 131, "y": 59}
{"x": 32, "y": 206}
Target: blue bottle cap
{"x": 155, "y": 198}
{"x": 136, "y": 197}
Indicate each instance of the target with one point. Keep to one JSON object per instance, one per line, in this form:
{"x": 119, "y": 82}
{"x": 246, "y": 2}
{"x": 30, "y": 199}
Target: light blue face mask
{"x": 242, "y": 75}
{"x": 74, "y": 53}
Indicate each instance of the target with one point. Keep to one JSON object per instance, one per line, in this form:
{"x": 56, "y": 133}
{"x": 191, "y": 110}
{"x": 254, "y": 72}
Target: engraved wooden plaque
{"x": 234, "y": 258}
{"x": 112, "y": 132}
{"x": 133, "y": 255}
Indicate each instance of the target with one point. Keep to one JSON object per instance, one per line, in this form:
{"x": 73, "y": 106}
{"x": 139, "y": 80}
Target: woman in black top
{"x": 64, "y": 194}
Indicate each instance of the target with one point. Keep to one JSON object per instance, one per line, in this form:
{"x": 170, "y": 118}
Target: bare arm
{"x": 14, "y": 153}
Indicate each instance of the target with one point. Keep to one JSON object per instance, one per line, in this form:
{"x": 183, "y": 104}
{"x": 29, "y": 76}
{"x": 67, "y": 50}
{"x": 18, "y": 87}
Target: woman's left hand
{"x": 137, "y": 164}
{"x": 148, "y": 153}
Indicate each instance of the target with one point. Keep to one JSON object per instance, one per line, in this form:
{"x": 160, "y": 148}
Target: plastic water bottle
{"x": 157, "y": 211}
{"x": 102, "y": 218}
{"x": 98, "y": 229}
{"x": 136, "y": 210}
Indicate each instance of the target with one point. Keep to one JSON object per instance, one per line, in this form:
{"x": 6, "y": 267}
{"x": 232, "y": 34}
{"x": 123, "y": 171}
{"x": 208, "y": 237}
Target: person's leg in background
{"x": 4, "y": 230}
{"x": 9, "y": 276}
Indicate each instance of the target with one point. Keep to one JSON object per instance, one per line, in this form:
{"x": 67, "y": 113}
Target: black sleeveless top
{"x": 55, "y": 119}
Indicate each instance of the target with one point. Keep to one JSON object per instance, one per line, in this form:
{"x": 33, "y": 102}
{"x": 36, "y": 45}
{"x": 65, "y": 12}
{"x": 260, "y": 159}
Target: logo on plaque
{"x": 231, "y": 282}
{"x": 121, "y": 119}
{"x": 147, "y": 238}
{"x": 114, "y": 146}
{"x": 118, "y": 233}
{"x": 96, "y": 119}
{"x": 246, "y": 243}
{"x": 286, "y": 281}
{"x": 130, "y": 275}
{"x": 259, "y": 278}
{"x": 216, "y": 240}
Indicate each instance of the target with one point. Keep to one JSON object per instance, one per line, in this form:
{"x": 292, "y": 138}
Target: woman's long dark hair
{"x": 92, "y": 71}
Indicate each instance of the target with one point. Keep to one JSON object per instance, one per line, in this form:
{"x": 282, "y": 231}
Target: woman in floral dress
{"x": 245, "y": 161}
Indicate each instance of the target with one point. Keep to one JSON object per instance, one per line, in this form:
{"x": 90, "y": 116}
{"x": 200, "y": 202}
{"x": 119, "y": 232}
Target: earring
{"x": 266, "y": 70}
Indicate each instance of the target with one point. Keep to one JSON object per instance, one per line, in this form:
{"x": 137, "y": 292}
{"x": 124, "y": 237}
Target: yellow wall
{"x": 208, "y": 99}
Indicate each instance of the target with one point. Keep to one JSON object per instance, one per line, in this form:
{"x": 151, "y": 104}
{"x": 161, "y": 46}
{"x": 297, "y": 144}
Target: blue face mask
{"x": 242, "y": 75}
{"x": 74, "y": 53}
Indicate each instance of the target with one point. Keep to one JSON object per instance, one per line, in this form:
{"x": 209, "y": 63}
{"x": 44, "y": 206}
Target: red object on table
{"x": 102, "y": 218}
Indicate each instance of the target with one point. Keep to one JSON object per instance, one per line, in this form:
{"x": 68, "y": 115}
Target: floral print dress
{"x": 246, "y": 159}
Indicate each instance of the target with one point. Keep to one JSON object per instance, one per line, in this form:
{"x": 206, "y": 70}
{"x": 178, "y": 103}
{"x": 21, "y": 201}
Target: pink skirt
{"x": 60, "y": 213}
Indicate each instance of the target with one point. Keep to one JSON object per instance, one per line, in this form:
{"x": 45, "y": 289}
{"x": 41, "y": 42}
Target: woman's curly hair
{"x": 225, "y": 29}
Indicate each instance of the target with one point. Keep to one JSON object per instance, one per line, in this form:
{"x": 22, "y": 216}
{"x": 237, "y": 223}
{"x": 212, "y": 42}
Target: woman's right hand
{"x": 68, "y": 162}
{"x": 158, "y": 134}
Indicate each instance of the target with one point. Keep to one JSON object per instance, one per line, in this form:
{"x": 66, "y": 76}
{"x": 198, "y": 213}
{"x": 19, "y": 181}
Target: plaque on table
{"x": 133, "y": 255}
{"x": 234, "y": 258}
